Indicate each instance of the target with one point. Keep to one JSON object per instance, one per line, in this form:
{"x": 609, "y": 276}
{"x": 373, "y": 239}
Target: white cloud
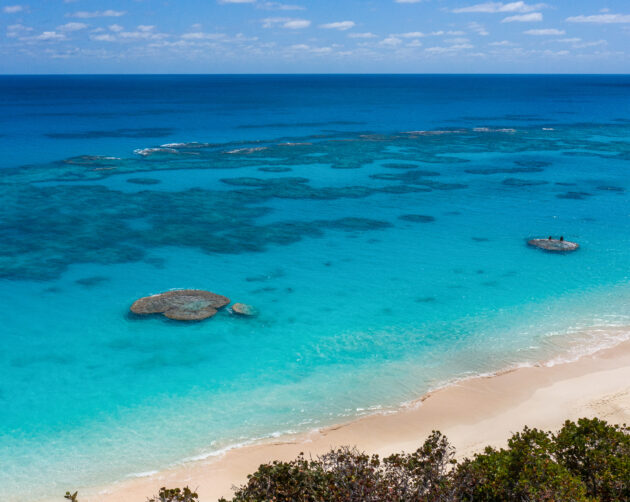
{"x": 279, "y": 6}
{"x": 285, "y": 22}
{"x": 50, "y": 36}
{"x": 457, "y": 41}
{"x": 143, "y": 32}
{"x": 479, "y": 29}
{"x": 412, "y": 34}
{"x": 524, "y": 18}
{"x": 445, "y": 50}
{"x": 106, "y": 37}
{"x": 595, "y": 43}
{"x": 578, "y": 43}
{"x": 547, "y": 31}
{"x": 309, "y": 48}
{"x": 362, "y": 35}
{"x": 502, "y": 43}
{"x": 390, "y": 42}
{"x": 202, "y": 36}
{"x": 340, "y": 25}
{"x": 601, "y": 19}
{"x": 12, "y": 9}
{"x": 72, "y": 27}
{"x": 568, "y": 40}
{"x": 16, "y": 30}
{"x": 494, "y": 7}
{"x": 297, "y": 24}
{"x": 421, "y": 34}
{"x": 96, "y": 13}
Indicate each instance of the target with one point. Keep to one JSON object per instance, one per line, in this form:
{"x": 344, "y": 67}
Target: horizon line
{"x": 313, "y": 74}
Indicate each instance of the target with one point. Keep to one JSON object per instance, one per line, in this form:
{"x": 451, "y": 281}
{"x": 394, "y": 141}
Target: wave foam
{"x": 145, "y": 152}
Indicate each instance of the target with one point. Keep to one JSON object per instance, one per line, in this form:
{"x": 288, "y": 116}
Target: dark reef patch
{"x": 66, "y": 224}
{"x": 426, "y": 299}
{"x": 538, "y": 164}
{"x": 268, "y": 289}
{"x": 90, "y": 282}
{"x": 275, "y": 169}
{"x": 611, "y": 188}
{"x": 356, "y": 224}
{"x": 400, "y": 165}
{"x": 144, "y": 181}
{"x": 417, "y": 218}
{"x": 517, "y": 182}
{"x": 259, "y": 182}
{"x": 490, "y": 284}
{"x": 480, "y": 239}
{"x": 574, "y": 195}
{"x": 504, "y": 170}
{"x": 402, "y": 189}
{"x": 405, "y": 177}
{"x": 436, "y": 185}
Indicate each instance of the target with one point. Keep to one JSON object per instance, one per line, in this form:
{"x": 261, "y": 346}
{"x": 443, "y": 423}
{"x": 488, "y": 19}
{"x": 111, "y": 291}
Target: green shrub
{"x": 525, "y": 471}
{"x": 599, "y": 454}
{"x": 175, "y": 495}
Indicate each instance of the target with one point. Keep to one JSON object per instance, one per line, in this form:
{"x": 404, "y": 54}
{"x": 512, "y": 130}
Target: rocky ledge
{"x": 244, "y": 310}
{"x": 554, "y": 245}
{"x": 182, "y": 304}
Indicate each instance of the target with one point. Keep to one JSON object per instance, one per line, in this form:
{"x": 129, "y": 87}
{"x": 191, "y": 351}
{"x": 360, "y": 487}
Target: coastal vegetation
{"x": 585, "y": 461}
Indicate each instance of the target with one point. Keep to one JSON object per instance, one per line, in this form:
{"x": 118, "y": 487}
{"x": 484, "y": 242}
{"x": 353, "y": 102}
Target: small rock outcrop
{"x": 554, "y": 245}
{"x": 182, "y": 304}
{"x": 244, "y": 309}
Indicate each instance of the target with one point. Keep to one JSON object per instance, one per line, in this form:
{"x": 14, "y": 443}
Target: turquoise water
{"x": 383, "y": 262}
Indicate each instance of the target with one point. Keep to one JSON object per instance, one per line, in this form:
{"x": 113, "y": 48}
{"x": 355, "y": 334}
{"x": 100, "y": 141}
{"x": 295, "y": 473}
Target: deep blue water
{"x": 378, "y": 223}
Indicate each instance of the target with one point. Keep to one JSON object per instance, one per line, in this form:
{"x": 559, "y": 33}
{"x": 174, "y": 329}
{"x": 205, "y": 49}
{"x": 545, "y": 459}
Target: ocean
{"x": 378, "y": 223}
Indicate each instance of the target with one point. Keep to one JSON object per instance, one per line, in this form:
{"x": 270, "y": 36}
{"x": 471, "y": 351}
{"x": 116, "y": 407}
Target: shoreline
{"x": 473, "y": 412}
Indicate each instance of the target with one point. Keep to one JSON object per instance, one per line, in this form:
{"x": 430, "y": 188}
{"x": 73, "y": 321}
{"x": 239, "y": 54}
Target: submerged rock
{"x": 574, "y": 195}
{"x": 181, "y": 305}
{"x": 555, "y": 245}
{"x": 417, "y": 218}
{"x": 517, "y": 182}
{"x": 504, "y": 170}
{"x": 144, "y": 181}
{"x": 244, "y": 310}
{"x": 273, "y": 169}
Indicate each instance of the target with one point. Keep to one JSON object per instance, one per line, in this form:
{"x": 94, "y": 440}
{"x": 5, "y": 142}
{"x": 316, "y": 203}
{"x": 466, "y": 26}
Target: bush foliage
{"x": 587, "y": 461}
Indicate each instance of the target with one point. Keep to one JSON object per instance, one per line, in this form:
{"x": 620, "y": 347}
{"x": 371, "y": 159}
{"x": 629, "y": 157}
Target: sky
{"x": 314, "y": 36}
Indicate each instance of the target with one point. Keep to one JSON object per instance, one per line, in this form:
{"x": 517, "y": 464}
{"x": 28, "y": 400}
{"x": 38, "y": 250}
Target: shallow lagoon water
{"x": 361, "y": 310}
